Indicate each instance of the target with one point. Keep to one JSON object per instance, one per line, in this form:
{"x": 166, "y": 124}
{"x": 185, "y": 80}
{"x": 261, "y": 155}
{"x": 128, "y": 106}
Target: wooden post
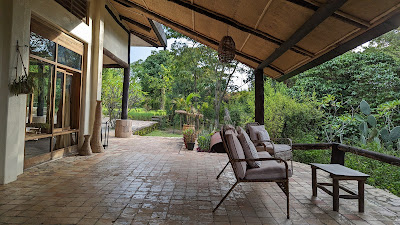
{"x": 337, "y": 156}
{"x": 361, "y": 195}
{"x": 259, "y": 96}
{"x": 314, "y": 180}
{"x": 125, "y": 89}
{"x": 335, "y": 194}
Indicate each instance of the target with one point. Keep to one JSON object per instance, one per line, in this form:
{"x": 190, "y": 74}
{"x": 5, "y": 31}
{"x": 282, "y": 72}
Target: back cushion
{"x": 232, "y": 128}
{"x": 237, "y": 153}
{"x": 256, "y": 129}
{"x": 240, "y": 130}
{"x": 249, "y": 149}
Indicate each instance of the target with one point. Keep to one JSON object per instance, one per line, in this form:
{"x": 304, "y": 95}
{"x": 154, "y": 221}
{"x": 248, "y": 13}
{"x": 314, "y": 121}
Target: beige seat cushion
{"x": 264, "y": 154}
{"x": 249, "y": 150}
{"x": 269, "y": 170}
{"x": 236, "y": 152}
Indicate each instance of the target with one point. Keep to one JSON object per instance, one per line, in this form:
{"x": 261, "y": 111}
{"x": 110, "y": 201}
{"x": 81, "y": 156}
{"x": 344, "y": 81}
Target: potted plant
{"x": 189, "y": 138}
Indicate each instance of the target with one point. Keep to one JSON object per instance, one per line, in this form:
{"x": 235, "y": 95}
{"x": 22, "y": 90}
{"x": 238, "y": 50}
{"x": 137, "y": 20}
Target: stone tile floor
{"x": 144, "y": 180}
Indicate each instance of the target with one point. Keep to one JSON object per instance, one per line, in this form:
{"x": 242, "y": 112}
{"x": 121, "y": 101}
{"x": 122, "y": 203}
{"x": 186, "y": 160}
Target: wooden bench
{"x": 339, "y": 172}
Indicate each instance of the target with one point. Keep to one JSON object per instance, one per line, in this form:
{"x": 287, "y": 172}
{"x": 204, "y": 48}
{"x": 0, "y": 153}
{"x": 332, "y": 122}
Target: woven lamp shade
{"x": 226, "y": 49}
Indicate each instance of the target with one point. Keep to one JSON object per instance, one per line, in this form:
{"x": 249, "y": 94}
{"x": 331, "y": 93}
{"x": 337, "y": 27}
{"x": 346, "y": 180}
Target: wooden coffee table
{"x": 339, "y": 172}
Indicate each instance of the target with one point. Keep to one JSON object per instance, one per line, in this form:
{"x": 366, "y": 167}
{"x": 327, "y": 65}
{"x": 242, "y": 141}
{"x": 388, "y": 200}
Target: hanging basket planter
{"x": 23, "y": 85}
{"x": 226, "y": 49}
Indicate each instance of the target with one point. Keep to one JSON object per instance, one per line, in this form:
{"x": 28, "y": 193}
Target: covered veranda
{"x": 147, "y": 180}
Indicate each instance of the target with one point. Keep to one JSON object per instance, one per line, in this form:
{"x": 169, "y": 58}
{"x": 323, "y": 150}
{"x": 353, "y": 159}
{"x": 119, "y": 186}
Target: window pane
{"x": 68, "y": 101}
{"x": 37, "y": 147}
{"x": 58, "y": 103}
{"x": 41, "y": 74}
{"x": 42, "y": 47}
{"x": 69, "y": 58}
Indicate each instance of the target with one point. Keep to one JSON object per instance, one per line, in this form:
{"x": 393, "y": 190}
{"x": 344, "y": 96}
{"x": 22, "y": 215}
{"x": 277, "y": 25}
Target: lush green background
{"x": 319, "y": 105}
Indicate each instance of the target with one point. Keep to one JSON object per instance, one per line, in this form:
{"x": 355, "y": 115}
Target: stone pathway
{"x": 146, "y": 180}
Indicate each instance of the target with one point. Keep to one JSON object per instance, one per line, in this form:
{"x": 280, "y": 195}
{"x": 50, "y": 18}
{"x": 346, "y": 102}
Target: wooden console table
{"x": 339, "y": 172}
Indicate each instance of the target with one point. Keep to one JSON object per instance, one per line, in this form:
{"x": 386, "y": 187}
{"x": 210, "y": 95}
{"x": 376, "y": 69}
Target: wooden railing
{"x": 339, "y": 150}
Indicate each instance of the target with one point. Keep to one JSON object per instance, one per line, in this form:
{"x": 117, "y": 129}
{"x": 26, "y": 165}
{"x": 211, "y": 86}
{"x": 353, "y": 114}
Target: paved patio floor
{"x": 144, "y": 180}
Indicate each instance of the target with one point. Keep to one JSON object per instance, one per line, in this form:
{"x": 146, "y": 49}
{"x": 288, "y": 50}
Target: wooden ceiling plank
{"x": 157, "y": 32}
{"x": 316, "y": 19}
{"x": 238, "y": 25}
{"x": 258, "y": 22}
{"x": 135, "y": 23}
{"x": 373, "y": 32}
{"x": 169, "y": 22}
{"x": 345, "y": 17}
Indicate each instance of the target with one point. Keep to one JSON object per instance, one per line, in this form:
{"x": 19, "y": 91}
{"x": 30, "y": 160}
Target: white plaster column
{"x": 14, "y": 25}
{"x": 96, "y": 12}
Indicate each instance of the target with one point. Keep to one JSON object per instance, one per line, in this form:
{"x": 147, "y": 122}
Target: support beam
{"x": 161, "y": 36}
{"x": 370, "y": 34}
{"x": 116, "y": 19}
{"x": 259, "y": 96}
{"x": 154, "y": 16}
{"x": 340, "y": 15}
{"x": 238, "y": 25}
{"x": 135, "y": 23}
{"x": 316, "y": 19}
{"x": 125, "y": 88}
{"x": 115, "y": 58}
{"x": 145, "y": 38}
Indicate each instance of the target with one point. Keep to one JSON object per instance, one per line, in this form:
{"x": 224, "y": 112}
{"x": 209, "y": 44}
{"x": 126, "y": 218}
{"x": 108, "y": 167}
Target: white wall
{"x": 115, "y": 38}
{"x": 15, "y": 16}
{"x": 14, "y": 25}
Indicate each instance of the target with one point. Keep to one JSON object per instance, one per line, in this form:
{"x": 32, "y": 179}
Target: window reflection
{"x": 68, "y": 101}
{"x": 69, "y": 58}
{"x": 58, "y": 102}
{"x": 42, "y": 47}
{"x": 39, "y": 104}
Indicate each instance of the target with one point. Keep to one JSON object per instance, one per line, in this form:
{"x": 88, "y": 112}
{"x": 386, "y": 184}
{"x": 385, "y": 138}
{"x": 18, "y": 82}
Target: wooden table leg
{"x": 335, "y": 195}
{"x": 361, "y": 195}
{"x": 314, "y": 180}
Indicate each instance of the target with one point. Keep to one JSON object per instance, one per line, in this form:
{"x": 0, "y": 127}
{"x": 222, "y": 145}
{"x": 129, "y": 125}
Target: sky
{"x": 142, "y": 53}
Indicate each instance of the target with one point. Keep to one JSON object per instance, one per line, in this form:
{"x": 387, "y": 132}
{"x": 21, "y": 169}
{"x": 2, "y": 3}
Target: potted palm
{"x": 189, "y": 137}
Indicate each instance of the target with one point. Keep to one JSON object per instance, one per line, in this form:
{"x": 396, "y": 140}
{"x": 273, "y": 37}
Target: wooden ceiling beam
{"x": 345, "y": 17}
{"x": 154, "y": 16}
{"x": 370, "y": 34}
{"x": 316, "y": 19}
{"x": 238, "y": 25}
{"x": 135, "y": 23}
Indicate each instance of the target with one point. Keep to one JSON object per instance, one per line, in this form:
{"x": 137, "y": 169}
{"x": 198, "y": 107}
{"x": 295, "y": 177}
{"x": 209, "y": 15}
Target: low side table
{"x": 339, "y": 172}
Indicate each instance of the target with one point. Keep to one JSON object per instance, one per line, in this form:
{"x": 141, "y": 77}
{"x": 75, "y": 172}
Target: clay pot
{"x": 85, "y": 149}
{"x": 95, "y": 142}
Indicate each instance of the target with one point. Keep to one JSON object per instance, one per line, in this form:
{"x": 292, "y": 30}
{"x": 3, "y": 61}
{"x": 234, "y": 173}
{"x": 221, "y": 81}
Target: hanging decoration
{"x": 22, "y": 84}
{"x": 226, "y": 49}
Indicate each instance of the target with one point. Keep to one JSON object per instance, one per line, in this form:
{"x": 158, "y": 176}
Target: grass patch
{"x": 142, "y": 114}
{"x": 162, "y": 133}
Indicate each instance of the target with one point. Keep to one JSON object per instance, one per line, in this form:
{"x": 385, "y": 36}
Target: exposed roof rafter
{"x": 135, "y": 23}
{"x": 316, "y": 19}
{"x": 154, "y": 16}
{"x": 238, "y": 25}
{"x": 345, "y": 17}
{"x": 373, "y": 32}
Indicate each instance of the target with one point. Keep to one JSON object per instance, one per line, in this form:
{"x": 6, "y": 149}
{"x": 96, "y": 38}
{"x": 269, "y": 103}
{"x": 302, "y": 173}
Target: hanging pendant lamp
{"x": 226, "y": 49}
